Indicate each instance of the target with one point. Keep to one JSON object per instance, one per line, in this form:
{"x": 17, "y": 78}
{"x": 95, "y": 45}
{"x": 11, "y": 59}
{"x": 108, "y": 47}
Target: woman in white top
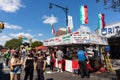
{"x": 16, "y": 66}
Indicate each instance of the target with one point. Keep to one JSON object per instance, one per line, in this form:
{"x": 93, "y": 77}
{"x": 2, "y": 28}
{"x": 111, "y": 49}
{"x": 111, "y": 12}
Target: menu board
{"x": 80, "y": 37}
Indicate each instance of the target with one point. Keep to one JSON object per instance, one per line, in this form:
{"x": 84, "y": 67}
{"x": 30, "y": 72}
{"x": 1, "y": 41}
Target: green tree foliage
{"x": 36, "y": 43}
{"x": 111, "y": 4}
{"x": 13, "y": 44}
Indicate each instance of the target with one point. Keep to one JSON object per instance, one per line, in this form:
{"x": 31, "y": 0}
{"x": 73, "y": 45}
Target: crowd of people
{"x": 30, "y": 60}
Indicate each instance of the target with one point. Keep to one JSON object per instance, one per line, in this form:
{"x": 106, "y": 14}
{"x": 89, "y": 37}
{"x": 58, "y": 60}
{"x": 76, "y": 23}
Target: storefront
{"x": 112, "y": 32}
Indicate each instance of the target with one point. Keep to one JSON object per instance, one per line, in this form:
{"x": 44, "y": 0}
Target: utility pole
{"x": 65, "y": 9}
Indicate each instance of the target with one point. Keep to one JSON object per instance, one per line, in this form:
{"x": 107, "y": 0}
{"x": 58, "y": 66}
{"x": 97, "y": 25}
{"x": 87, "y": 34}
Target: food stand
{"x": 74, "y": 40}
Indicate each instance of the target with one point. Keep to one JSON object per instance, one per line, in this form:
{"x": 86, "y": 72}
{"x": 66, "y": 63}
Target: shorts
{"x": 59, "y": 61}
{"x": 75, "y": 71}
{"x": 16, "y": 70}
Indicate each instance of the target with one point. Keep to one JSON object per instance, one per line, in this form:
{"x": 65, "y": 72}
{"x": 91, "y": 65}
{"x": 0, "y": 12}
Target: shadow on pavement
{"x": 50, "y": 79}
{"x": 109, "y": 75}
{"x": 3, "y": 75}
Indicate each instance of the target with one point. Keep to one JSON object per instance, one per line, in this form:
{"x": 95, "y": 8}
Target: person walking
{"x": 59, "y": 54}
{"x": 40, "y": 66}
{"x": 52, "y": 59}
{"x": 29, "y": 66}
{"x": 82, "y": 61}
{"x": 7, "y": 57}
{"x": 16, "y": 66}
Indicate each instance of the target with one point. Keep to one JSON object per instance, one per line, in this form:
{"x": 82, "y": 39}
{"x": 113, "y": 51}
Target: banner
{"x": 84, "y": 14}
{"x": 53, "y": 30}
{"x": 101, "y": 22}
{"x": 70, "y": 23}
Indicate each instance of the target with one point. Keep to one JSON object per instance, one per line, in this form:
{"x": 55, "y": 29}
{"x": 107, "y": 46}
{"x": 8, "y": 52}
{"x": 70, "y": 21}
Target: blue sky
{"x": 25, "y": 17}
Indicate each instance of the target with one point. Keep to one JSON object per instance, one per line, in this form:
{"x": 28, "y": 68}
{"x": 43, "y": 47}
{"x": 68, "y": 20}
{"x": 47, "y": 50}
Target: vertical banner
{"x": 53, "y": 30}
{"x": 84, "y": 14}
{"x": 70, "y": 24}
{"x": 101, "y": 22}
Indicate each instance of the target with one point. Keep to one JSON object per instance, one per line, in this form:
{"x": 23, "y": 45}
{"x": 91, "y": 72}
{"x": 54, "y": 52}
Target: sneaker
{"x": 61, "y": 71}
{"x": 87, "y": 76}
{"x": 58, "y": 71}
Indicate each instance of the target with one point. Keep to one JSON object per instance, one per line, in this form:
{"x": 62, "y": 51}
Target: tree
{"x": 13, "y": 44}
{"x": 111, "y": 4}
{"x": 36, "y": 43}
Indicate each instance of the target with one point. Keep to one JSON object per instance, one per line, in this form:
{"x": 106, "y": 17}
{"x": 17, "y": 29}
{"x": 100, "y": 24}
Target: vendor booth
{"x": 70, "y": 44}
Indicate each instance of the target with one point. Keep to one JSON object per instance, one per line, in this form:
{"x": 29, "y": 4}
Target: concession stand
{"x": 73, "y": 41}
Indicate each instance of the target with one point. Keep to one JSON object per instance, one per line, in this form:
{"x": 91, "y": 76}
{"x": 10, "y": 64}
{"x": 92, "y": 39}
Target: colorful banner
{"x": 53, "y": 30}
{"x": 70, "y": 23}
{"x": 101, "y": 22}
{"x": 84, "y": 14}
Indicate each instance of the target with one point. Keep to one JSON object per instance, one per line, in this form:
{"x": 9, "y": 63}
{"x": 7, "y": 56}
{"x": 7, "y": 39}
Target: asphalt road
{"x": 4, "y": 75}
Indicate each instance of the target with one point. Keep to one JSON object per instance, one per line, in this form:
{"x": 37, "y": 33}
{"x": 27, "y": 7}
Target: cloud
{"x": 11, "y": 26}
{"x": 6, "y": 37}
{"x": 33, "y": 40}
{"x": 40, "y": 34}
{"x": 10, "y": 5}
{"x": 27, "y": 35}
{"x": 3, "y": 39}
{"x": 50, "y": 19}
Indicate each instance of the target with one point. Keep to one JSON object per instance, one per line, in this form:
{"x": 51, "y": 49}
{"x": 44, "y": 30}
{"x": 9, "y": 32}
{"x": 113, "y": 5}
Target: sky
{"x": 30, "y": 18}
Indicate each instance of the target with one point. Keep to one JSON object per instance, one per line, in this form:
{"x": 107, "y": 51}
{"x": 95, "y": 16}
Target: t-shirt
{"x": 7, "y": 55}
{"x": 81, "y": 55}
{"x": 59, "y": 55}
{"x": 23, "y": 53}
{"x": 40, "y": 63}
{"x": 29, "y": 63}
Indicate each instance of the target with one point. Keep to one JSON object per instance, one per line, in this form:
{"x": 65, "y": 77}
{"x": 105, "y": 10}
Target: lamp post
{"x": 1, "y": 26}
{"x": 65, "y": 9}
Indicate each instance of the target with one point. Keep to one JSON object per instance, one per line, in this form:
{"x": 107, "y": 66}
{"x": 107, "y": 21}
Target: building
{"x": 60, "y": 31}
{"x": 112, "y": 32}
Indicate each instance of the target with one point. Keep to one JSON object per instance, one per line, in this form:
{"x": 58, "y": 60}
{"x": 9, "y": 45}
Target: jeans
{"x": 83, "y": 68}
{"x": 29, "y": 73}
{"x": 40, "y": 74}
{"x": 51, "y": 65}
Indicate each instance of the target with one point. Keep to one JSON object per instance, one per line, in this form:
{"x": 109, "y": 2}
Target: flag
{"x": 70, "y": 23}
{"x": 68, "y": 29}
{"x": 84, "y": 14}
{"x": 101, "y": 22}
{"x": 53, "y": 30}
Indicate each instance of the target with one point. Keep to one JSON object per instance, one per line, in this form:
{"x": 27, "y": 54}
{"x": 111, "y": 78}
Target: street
{"x": 4, "y": 75}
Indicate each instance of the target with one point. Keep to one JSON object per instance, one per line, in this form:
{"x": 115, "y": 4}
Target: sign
{"x": 58, "y": 40}
{"x": 70, "y": 22}
{"x": 80, "y": 38}
{"x": 110, "y": 30}
{"x": 97, "y": 39}
{"x": 66, "y": 39}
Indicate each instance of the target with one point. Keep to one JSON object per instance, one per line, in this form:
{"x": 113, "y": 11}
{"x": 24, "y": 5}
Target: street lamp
{"x": 1, "y": 26}
{"x": 63, "y": 8}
